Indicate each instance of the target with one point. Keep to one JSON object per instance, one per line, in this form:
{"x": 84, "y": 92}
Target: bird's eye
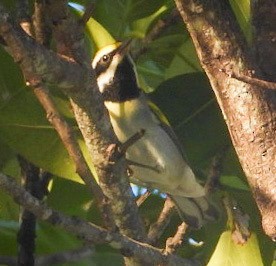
{"x": 105, "y": 58}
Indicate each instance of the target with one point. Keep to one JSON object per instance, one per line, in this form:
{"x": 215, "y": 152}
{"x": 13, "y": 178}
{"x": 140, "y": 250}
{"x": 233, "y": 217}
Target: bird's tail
{"x": 195, "y": 211}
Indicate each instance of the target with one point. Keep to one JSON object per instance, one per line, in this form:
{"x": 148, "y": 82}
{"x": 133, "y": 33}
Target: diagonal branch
{"x": 67, "y": 256}
{"x": 76, "y": 80}
{"x": 89, "y": 231}
{"x": 64, "y": 131}
{"x": 157, "y": 228}
{"x": 52, "y": 68}
{"x": 96, "y": 128}
{"x": 66, "y": 134}
{"x": 173, "y": 243}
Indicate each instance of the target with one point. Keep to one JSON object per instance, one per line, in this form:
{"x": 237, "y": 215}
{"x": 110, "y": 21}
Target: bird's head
{"x": 115, "y": 72}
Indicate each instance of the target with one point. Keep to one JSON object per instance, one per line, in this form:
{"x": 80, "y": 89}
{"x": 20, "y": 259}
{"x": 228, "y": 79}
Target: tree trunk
{"x": 249, "y": 110}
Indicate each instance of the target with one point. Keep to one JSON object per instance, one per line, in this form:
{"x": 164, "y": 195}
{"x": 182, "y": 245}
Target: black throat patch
{"x": 124, "y": 85}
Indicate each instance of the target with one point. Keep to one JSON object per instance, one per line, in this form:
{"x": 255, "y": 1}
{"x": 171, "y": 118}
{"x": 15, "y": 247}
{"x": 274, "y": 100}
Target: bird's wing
{"x": 165, "y": 125}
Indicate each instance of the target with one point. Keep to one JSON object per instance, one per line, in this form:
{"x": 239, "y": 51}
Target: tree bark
{"x": 249, "y": 111}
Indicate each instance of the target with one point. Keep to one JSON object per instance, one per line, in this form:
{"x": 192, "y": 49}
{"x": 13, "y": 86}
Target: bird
{"x": 156, "y": 160}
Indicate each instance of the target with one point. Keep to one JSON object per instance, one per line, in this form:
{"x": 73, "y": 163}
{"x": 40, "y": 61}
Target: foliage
{"x": 169, "y": 68}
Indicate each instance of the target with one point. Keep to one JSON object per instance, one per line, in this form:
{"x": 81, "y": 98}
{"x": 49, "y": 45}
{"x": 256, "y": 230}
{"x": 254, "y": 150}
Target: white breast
{"x": 155, "y": 149}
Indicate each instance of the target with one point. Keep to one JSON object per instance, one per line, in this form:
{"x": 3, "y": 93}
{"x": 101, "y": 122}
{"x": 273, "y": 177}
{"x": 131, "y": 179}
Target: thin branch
{"x": 142, "y": 198}
{"x": 88, "y": 231}
{"x": 66, "y": 135}
{"x": 216, "y": 170}
{"x": 94, "y": 123}
{"x": 8, "y": 260}
{"x": 78, "y": 82}
{"x": 23, "y": 15}
{"x": 159, "y": 27}
{"x": 254, "y": 81}
{"x": 250, "y": 80}
{"x": 158, "y": 228}
{"x": 22, "y": 8}
{"x": 65, "y": 132}
{"x": 87, "y": 13}
{"x": 56, "y": 258}
{"x": 173, "y": 243}
{"x": 132, "y": 140}
{"x": 68, "y": 256}
{"x": 42, "y": 29}
{"x": 238, "y": 221}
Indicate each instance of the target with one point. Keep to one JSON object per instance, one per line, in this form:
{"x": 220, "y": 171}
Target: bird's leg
{"x": 115, "y": 151}
{"x": 122, "y": 149}
{"x": 153, "y": 168}
{"x": 134, "y": 138}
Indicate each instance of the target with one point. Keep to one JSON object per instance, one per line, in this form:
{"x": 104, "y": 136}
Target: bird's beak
{"x": 123, "y": 49}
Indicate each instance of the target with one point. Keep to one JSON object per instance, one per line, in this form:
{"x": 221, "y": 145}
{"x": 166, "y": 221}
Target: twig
{"x": 56, "y": 258}
{"x": 54, "y": 69}
{"x": 65, "y": 133}
{"x": 68, "y": 256}
{"x": 87, "y": 13}
{"x": 254, "y": 81}
{"x": 157, "y": 229}
{"x": 142, "y": 198}
{"x": 8, "y": 260}
{"x": 159, "y": 27}
{"x": 132, "y": 140}
{"x": 22, "y": 8}
{"x": 88, "y": 231}
{"x": 23, "y": 15}
{"x": 175, "y": 242}
{"x": 215, "y": 171}
{"x": 250, "y": 80}
{"x": 238, "y": 221}
{"x": 42, "y": 29}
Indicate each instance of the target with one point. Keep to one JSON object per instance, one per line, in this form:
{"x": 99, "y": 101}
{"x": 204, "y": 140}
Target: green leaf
{"x": 61, "y": 198}
{"x": 227, "y": 253}
{"x": 117, "y": 15}
{"x": 233, "y": 182}
{"x": 242, "y": 10}
{"x": 22, "y": 130}
{"x": 185, "y": 57}
{"x": 100, "y": 36}
{"x": 107, "y": 258}
{"x": 8, "y": 245}
{"x": 24, "y": 127}
{"x": 140, "y": 27}
{"x": 152, "y": 65}
{"x": 189, "y": 105}
{"x": 52, "y": 239}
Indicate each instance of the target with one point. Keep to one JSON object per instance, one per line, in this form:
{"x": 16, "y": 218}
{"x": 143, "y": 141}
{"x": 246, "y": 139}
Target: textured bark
{"x": 93, "y": 122}
{"x": 249, "y": 111}
{"x": 73, "y": 74}
{"x": 89, "y": 231}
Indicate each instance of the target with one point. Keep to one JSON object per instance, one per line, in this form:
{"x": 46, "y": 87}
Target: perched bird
{"x": 156, "y": 159}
